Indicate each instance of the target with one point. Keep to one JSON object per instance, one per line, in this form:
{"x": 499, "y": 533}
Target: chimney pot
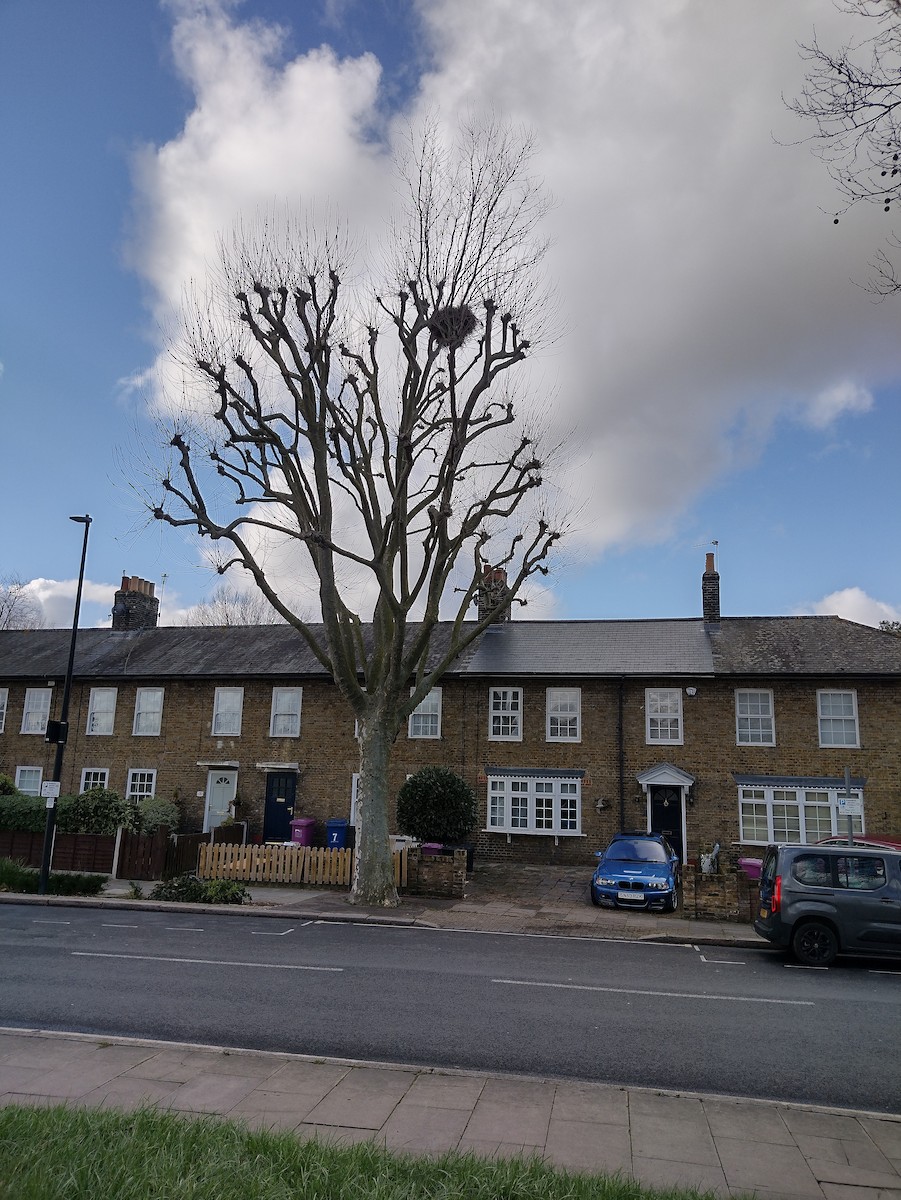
{"x": 710, "y": 591}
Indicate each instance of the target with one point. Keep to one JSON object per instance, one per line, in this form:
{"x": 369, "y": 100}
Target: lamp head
{"x": 85, "y": 520}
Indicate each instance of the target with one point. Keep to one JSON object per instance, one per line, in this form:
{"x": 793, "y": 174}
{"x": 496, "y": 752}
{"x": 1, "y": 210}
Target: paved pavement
{"x": 731, "y": 1147}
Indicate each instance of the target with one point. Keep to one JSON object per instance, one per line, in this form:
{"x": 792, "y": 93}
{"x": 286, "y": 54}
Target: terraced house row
{"x": 735, "y": 730}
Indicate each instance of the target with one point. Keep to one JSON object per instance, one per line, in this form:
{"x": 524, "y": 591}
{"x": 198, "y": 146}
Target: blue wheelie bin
{"x": 336, "y": 833}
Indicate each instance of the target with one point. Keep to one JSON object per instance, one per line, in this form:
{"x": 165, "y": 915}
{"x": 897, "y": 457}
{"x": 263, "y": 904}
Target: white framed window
{"x": 784, "y": 814}
{"x": 505, "y": 714}
{"x": 29, "y": 779}
{"x": 544, "y": 804}
{"x": 140, "y": 783}
{"x": 148, "y": 712}
{"x": 564, "y": 715}
{"x": 284, "y": 720}
{"x": 4, "y": 699}
{"x": 94, "y": 777}
{"x": 663, "y": 716}
{"x": 101, "y": 710}
{"x": 425, "y": 719}
{"x": 228, "y": 705}
{"x": 837, "y": 713}
{"x": 37, "y": 710}
{"x": 754, "y": 724}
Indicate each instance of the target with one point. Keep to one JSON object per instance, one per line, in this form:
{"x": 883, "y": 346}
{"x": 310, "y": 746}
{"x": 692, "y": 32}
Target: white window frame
{"x": 138, "y": 779}
{"x": 101, "y": 712}
{"x": 564, "y": 706}
{"x": 425, "y": 719}
{"x": 278, "y": 714}
{"x": 147, "y": 715}
{"x": 354, "y": 789}
{"x": 542, "y": 805}
{"x": 745, "y": 721}
{"x": 40, "y": 780}
{"x": 4, "y": 701}
{"x": 32, "y": 712}
{"x": 821, "y": 718}
{"x": 220, "y": 712}
{"x": 505, "y": 714}
{"x": 654, "y": 712}
{"x": 792, "y": 813}
{"x": 102, "y": 781}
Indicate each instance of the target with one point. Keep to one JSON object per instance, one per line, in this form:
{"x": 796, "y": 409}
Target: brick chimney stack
{"x": 135, "y": 606}
{"x": 710, "y": 590}
{"x": 492, "y": 592}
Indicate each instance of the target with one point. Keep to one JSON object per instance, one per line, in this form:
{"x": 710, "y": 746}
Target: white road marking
{"x": 722, "y": 962}
{"x": 210, "y": 962}
{"x": 801, "y": 967}
{"x": 183, "y": 928}
{"x": 582, "y": 987}
{"x": 271, "y": 932}
{"x": 41, "y": 921}
{"x": 117, "y": 925}
{"x": 873, "y": 971}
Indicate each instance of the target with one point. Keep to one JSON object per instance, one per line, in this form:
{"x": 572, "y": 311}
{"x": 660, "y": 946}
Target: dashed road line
{"x": 584, "y": 987}
{"x": 209, "y": 962}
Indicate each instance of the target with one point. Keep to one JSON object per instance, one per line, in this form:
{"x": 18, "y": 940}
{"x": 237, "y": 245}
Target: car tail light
{"x": 776, "y": 901}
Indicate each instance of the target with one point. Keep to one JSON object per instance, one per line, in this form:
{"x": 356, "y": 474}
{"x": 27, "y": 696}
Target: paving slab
{"x": 676, "y": 1141}
{"x": 589, "y": 1146}
{"x": 211, "y": 1092}
{"x": 363, "y": 1099}
{"x": 761, "y": 1123}
{"x": 781, "y": 1168}
{"x": 421, "y": 1129}
{"x": 659, "y": 1173}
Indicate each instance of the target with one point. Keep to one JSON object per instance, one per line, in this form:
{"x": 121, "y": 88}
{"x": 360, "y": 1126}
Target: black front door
{"x": 281, "y": 788}
{"x": 666, "y": 815}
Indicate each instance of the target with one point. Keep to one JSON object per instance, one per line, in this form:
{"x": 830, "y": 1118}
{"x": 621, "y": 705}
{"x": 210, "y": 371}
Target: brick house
{"x": 728, "y": 729}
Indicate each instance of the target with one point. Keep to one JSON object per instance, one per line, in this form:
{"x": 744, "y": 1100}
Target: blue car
{"x": 637, "y": 870}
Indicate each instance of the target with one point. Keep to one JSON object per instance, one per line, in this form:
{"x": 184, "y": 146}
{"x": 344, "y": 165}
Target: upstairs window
{"x": 227, "y": 708}
{"x": 663, "y": 716}
{"x": 564, "y": 715}
{"x": 837, "y": 713}
{"x": 754, "y": 718}
{"x": 101, "y": 710}
{"x": 148, "y": 712}
{"x": 36, "y": 711}
{"x": 4, "y": 697}
{"x": 505, "y": 722}
{"x": 94, "y": 777}
{"x": 284, "y": 720}
{"x": 425, "y": 719}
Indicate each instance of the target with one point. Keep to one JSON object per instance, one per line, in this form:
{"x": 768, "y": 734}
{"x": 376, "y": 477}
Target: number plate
{"x": 764, "y": 912}
{"x": 630, "y": 895}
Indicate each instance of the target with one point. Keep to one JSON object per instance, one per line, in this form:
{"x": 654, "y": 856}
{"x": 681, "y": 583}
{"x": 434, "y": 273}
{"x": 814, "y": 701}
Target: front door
{"x": 666, "y": 815}
{"x": 221, "y": 787}
{"x": 281, "y": 788}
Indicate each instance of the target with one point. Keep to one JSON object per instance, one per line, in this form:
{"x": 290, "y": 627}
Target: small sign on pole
{"x": 50, "y": 789}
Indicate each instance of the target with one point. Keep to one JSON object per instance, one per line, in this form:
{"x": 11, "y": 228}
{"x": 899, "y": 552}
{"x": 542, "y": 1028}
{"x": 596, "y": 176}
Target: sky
{"x": 729, "y": 382}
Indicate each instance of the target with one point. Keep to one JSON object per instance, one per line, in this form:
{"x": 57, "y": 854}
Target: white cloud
{"x": 57, "y": 600}
{"x": 854, "y": 604}
{"x": 837, "y": 401}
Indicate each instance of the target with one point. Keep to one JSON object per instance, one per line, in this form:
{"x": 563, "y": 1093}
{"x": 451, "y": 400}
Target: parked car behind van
{"x": 820, "y": 901}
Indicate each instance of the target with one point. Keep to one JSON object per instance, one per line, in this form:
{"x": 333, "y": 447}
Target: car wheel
{"x": 815, "y": 944}
{"x": 673, "y": 903}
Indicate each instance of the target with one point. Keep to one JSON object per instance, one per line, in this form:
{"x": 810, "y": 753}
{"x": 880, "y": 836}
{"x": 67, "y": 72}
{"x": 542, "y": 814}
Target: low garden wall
{"x": 727, "y": 895}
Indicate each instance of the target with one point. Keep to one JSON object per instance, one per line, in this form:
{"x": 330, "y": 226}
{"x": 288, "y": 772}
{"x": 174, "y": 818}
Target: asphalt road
{"x": 731, "y": 1021}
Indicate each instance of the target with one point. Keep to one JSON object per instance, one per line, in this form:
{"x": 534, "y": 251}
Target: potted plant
{"x": 436, "y": 805}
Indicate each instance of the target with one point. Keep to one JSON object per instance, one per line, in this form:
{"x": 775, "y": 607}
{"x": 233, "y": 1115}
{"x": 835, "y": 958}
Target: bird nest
{"x": 452, "y": 325}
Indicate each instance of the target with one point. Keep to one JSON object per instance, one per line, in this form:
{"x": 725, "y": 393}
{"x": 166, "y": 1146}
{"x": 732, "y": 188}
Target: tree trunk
{"x": 373, "y": 862}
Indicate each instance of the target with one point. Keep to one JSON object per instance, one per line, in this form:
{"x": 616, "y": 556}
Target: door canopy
{"x": 665, "y": 775}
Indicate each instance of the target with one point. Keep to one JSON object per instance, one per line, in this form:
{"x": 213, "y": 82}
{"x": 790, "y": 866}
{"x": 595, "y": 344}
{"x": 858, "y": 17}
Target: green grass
{"x": 15, "y": 877}
{"x": 84, "y": 1154}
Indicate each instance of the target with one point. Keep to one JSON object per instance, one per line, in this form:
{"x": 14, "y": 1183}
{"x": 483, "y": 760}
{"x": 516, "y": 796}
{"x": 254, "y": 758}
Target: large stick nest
{"x": 451, "y": 326}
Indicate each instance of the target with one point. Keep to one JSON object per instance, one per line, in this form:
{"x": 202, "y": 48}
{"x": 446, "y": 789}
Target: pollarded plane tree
{"x": 387, "y": 448}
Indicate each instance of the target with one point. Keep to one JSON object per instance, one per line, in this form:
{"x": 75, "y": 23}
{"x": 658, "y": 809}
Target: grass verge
{"x": 85, "y": 1154}
{"x": 14, "y": 877}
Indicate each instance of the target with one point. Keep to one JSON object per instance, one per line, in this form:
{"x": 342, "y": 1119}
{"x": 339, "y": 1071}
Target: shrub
{"x": 97, "y": 810}
{"x": 152, "y": 812}
{"x": 436, "y": 805}
{"x": 16, "y": 877}
{"x": 191, "y": 890}
{"x": 21, "y": 812}
{"x": 7, "y": 787}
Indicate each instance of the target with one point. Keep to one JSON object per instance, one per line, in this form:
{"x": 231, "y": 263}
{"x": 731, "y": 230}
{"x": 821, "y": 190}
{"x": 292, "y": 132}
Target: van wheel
{"x": 814, "y": 944}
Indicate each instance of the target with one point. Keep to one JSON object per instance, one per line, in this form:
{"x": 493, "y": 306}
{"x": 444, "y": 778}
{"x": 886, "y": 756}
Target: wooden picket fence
{"x": 287, "y": 864}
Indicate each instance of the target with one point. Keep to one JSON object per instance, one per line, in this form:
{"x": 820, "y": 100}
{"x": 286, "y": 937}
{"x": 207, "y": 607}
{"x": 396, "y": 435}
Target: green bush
{"x": 21, "y": 812}
{"x": 16, "y": 877}
{"x": 152, "y": 812}
{"x": 97, "y": 810}
{"x": 7, "y": 787}
{"x": 436, "y": 805}
{"x": 191, "y": 890}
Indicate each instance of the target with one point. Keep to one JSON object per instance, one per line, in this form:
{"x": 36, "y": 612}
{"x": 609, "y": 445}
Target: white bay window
{"x": 535, "y": 802}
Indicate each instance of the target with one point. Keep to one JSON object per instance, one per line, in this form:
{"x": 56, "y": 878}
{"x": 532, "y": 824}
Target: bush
{"x": 16, "y": 877}
{"x": 7, "y": 787}
{"x": 191, "y": 890}
{"x": 152, "y": 812}
{"x": 436, "y": 805}
{"x": 97, "y": 810}
{"x": 21, "y": 812}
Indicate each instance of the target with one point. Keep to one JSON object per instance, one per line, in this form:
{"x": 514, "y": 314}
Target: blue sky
{"x": 727, "y": 377}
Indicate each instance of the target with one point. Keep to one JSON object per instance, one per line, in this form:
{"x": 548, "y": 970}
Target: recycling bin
{"x": 336, "y": 833}
{"x": 302, "y": 831}
{"x": 751, "y": 867}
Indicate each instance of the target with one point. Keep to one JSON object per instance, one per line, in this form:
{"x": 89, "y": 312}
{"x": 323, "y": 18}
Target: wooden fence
{"x": 287, "y": 864}
{"x": 88, "y": 852}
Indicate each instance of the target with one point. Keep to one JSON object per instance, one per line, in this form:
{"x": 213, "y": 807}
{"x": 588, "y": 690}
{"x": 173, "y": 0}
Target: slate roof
{"x": 748, "y": 646}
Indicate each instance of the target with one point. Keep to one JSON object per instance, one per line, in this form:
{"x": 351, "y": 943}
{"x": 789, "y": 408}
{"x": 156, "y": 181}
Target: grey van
{"x": 820, "y": 901}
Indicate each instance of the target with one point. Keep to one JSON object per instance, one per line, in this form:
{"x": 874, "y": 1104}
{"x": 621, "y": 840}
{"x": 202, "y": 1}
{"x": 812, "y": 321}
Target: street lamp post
{"x": 63, "y": 729}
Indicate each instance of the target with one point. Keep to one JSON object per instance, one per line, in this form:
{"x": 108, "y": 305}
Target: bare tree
{"x": 380, "y": 436}
{"x": 229, "y": 606}
{"x": 18, "y": 608}
{"x": 891, "y": 627}
{"x": 853, "y": 96}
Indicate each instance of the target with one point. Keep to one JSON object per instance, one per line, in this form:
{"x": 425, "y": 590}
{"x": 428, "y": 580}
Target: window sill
{"x": 554, "y": 833}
